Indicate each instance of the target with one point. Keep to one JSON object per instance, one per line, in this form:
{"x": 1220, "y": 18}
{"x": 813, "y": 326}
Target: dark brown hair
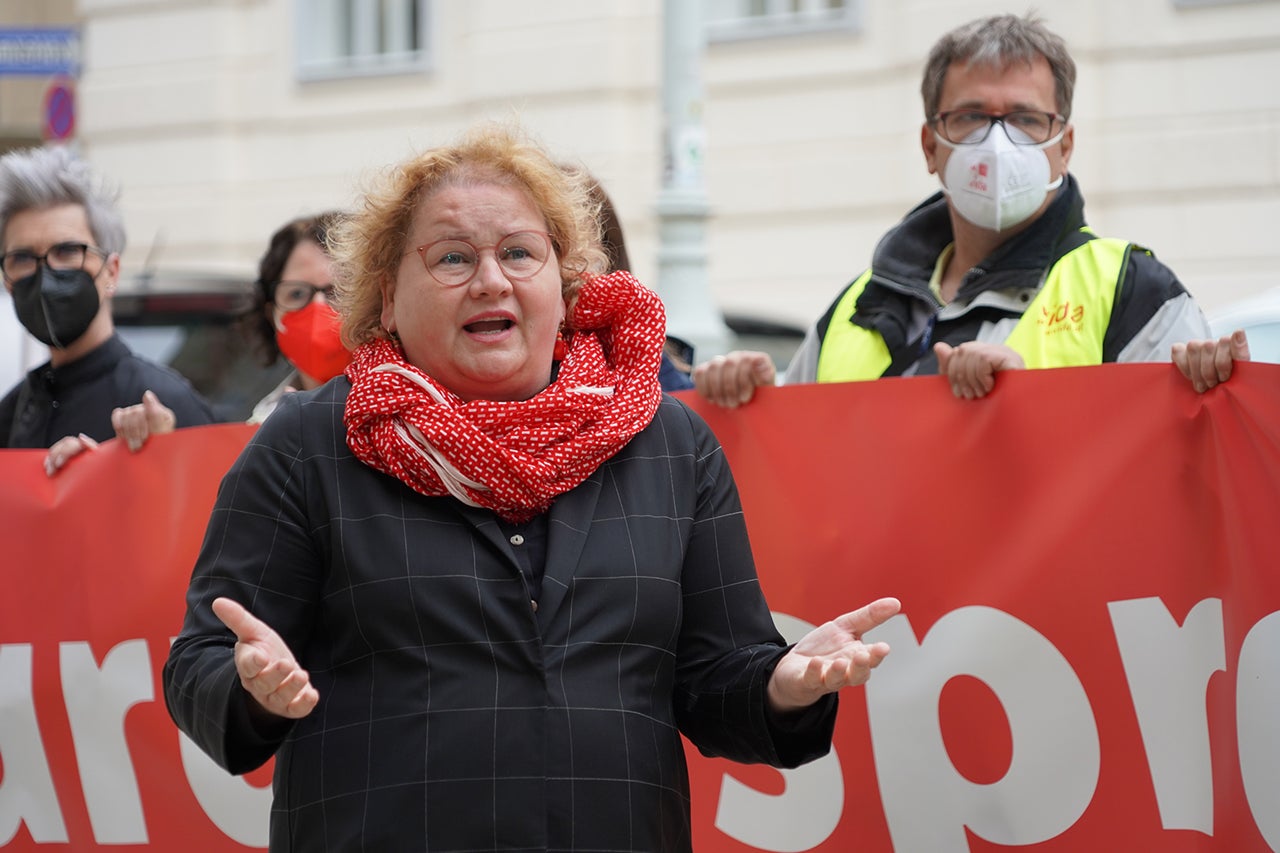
{"x": 256, "y": 322}
{"x": 610, "y": 228}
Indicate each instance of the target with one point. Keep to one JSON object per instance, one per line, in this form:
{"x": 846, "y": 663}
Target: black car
{"x": 192, "y": 323}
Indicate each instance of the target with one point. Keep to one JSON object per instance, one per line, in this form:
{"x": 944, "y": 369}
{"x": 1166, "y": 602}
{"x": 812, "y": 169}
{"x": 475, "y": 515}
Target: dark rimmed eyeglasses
{"x": 1023, "y": 127}
{"x": 21, "y": 263}
{"x": 453, "y": 263}
{"x": 295, "y": 295}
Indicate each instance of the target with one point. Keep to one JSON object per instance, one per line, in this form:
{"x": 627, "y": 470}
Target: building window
{"x": 344, "y": 38}
{"x": 738, "y": 19}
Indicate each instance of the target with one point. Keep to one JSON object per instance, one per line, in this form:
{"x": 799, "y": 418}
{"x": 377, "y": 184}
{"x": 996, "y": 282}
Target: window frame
{"x": 307, "y": 35}
{"x": 779, "y": 22}
{"x": 1197, "y": 4}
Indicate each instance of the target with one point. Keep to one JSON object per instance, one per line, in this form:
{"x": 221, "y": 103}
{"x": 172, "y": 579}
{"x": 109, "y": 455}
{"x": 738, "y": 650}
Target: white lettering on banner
{"x": 1056, "y": 753}
{"x": 97, "y": 701}
{"x": 27, "y": 794}
{"x": 927, "y": 803}
{"x": 807, "y": 811}
{"x": 240, "y": 810}
{"x": 1258, "y": 724}
{"x": 1177, "y": 744}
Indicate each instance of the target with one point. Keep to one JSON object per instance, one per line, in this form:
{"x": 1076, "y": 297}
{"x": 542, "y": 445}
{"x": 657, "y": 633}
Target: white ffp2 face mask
{"x": 996, "y": 184}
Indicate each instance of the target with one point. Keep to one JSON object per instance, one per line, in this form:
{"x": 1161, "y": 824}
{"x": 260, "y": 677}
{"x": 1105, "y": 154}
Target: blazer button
{"x": 534, "y": 605}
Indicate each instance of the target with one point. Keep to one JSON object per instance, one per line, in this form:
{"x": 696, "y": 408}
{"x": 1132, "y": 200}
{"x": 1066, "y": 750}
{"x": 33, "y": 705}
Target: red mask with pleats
{"x": 310, "y": 339}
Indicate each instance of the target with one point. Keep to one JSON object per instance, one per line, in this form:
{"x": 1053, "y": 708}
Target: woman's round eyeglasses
{"x": 453, "y": 263}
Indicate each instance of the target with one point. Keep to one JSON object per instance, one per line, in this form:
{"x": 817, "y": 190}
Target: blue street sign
{"x": 40, "y": 51}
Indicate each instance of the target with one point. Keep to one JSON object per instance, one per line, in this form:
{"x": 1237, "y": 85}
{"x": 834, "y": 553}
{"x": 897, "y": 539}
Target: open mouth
{"x": 488, "y": 326}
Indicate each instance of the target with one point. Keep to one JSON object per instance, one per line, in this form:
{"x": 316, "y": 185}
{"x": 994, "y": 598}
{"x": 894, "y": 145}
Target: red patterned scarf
{"x": 515, "y": 457}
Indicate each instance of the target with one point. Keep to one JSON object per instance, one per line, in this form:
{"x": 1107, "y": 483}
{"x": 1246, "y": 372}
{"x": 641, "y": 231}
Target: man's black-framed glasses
{"x": 21, "y": 263}
{"x": 296, "y": 295}
{"x": 453, "y": 263}
{"x": 1023, "y": 127}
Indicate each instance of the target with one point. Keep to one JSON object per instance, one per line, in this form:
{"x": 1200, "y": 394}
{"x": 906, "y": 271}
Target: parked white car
{"x": 19, "y": 352}
{"x": 1259, "y": 316}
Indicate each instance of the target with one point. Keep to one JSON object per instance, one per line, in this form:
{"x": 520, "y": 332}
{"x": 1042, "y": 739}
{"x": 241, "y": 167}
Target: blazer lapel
{"x": 570, "y": 523}
{"x": 487, "y": 528}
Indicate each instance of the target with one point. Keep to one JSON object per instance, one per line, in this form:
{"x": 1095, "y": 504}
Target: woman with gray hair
{"x": 61, "y": 236}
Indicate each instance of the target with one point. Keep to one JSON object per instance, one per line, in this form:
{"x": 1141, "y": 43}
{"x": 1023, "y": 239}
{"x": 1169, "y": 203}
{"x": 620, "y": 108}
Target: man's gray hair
{"x": 40, "y": 178}
{"x": 999, "y": 41}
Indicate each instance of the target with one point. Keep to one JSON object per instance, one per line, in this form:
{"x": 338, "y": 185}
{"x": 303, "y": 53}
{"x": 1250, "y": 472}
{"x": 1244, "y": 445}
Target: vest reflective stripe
{"x": 1064, "y": 325}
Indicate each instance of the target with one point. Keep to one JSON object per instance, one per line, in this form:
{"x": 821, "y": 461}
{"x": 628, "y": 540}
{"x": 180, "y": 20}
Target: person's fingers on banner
{"x": 65, "y": 449}
{"x": 972, "y": 366}
{"x": 136, "y": 423}
{"x": 754, "y": 369}
{"x": 160, "y": 418}
{"x": 731, "y": 380}
{"x": 1191, "y": 360}
{"x": 1208, "y": 363}
{"x": 267, "y": 668}
{"x": 1232, "y": 348}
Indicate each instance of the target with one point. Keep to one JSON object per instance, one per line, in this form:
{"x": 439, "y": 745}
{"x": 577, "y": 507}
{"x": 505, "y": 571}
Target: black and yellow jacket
{"x": 1056, "y": 293}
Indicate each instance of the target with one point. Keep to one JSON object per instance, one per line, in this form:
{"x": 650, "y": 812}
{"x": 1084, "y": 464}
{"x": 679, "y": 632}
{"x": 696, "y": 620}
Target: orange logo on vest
{"x": 1063, "y": 317}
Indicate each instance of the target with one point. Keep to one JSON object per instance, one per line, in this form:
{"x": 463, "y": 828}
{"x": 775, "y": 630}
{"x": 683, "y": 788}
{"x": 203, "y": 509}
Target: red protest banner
{"x": 1088, "y": 654}
{"x": 95, "y": 569}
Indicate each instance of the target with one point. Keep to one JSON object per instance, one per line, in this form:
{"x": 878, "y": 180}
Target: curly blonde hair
{"x": 367, "y": 245}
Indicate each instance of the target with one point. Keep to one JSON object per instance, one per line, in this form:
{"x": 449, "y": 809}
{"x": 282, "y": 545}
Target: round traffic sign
{"x": 59, "y": 112}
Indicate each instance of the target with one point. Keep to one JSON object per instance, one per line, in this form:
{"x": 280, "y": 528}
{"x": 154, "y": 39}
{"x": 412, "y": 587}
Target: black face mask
{"x": 56, "y": 306}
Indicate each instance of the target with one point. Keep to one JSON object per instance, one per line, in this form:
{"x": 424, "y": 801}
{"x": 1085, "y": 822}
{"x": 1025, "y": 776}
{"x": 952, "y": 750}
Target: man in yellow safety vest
{"x": 998, "y": 270}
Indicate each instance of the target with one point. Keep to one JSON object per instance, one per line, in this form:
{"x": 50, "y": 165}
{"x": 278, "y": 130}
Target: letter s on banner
{"x": 805, "y": 814}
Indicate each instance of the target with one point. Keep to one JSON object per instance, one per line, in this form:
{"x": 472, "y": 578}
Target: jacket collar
{"x": 904, "y": 260}
{"x": 905, "y": 257}
{"x": 91, "y": 366}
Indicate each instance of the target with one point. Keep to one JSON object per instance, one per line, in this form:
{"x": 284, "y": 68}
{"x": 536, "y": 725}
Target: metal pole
{"x": 682, "y": 206}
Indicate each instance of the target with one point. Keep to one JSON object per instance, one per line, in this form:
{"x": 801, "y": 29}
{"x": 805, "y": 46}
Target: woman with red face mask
{"x": 293, "y": 316}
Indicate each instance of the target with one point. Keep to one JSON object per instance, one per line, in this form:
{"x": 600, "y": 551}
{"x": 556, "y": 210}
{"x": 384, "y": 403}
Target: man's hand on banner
{"x": 971, "y": 367}
{"x": 268, "y": 670}
{"x": 830, "y": 657}
{"x": 1207, "y": 363}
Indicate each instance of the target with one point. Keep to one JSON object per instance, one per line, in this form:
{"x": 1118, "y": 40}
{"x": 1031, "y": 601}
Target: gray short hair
{"x": 999, "y": 41}
{"x": 39, "y": 178}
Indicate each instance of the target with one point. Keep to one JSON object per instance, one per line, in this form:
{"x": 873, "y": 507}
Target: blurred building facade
{"x": 222, "y": 118}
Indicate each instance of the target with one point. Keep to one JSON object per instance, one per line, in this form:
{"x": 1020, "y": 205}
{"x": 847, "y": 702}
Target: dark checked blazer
{"x": 453, "y": 715}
